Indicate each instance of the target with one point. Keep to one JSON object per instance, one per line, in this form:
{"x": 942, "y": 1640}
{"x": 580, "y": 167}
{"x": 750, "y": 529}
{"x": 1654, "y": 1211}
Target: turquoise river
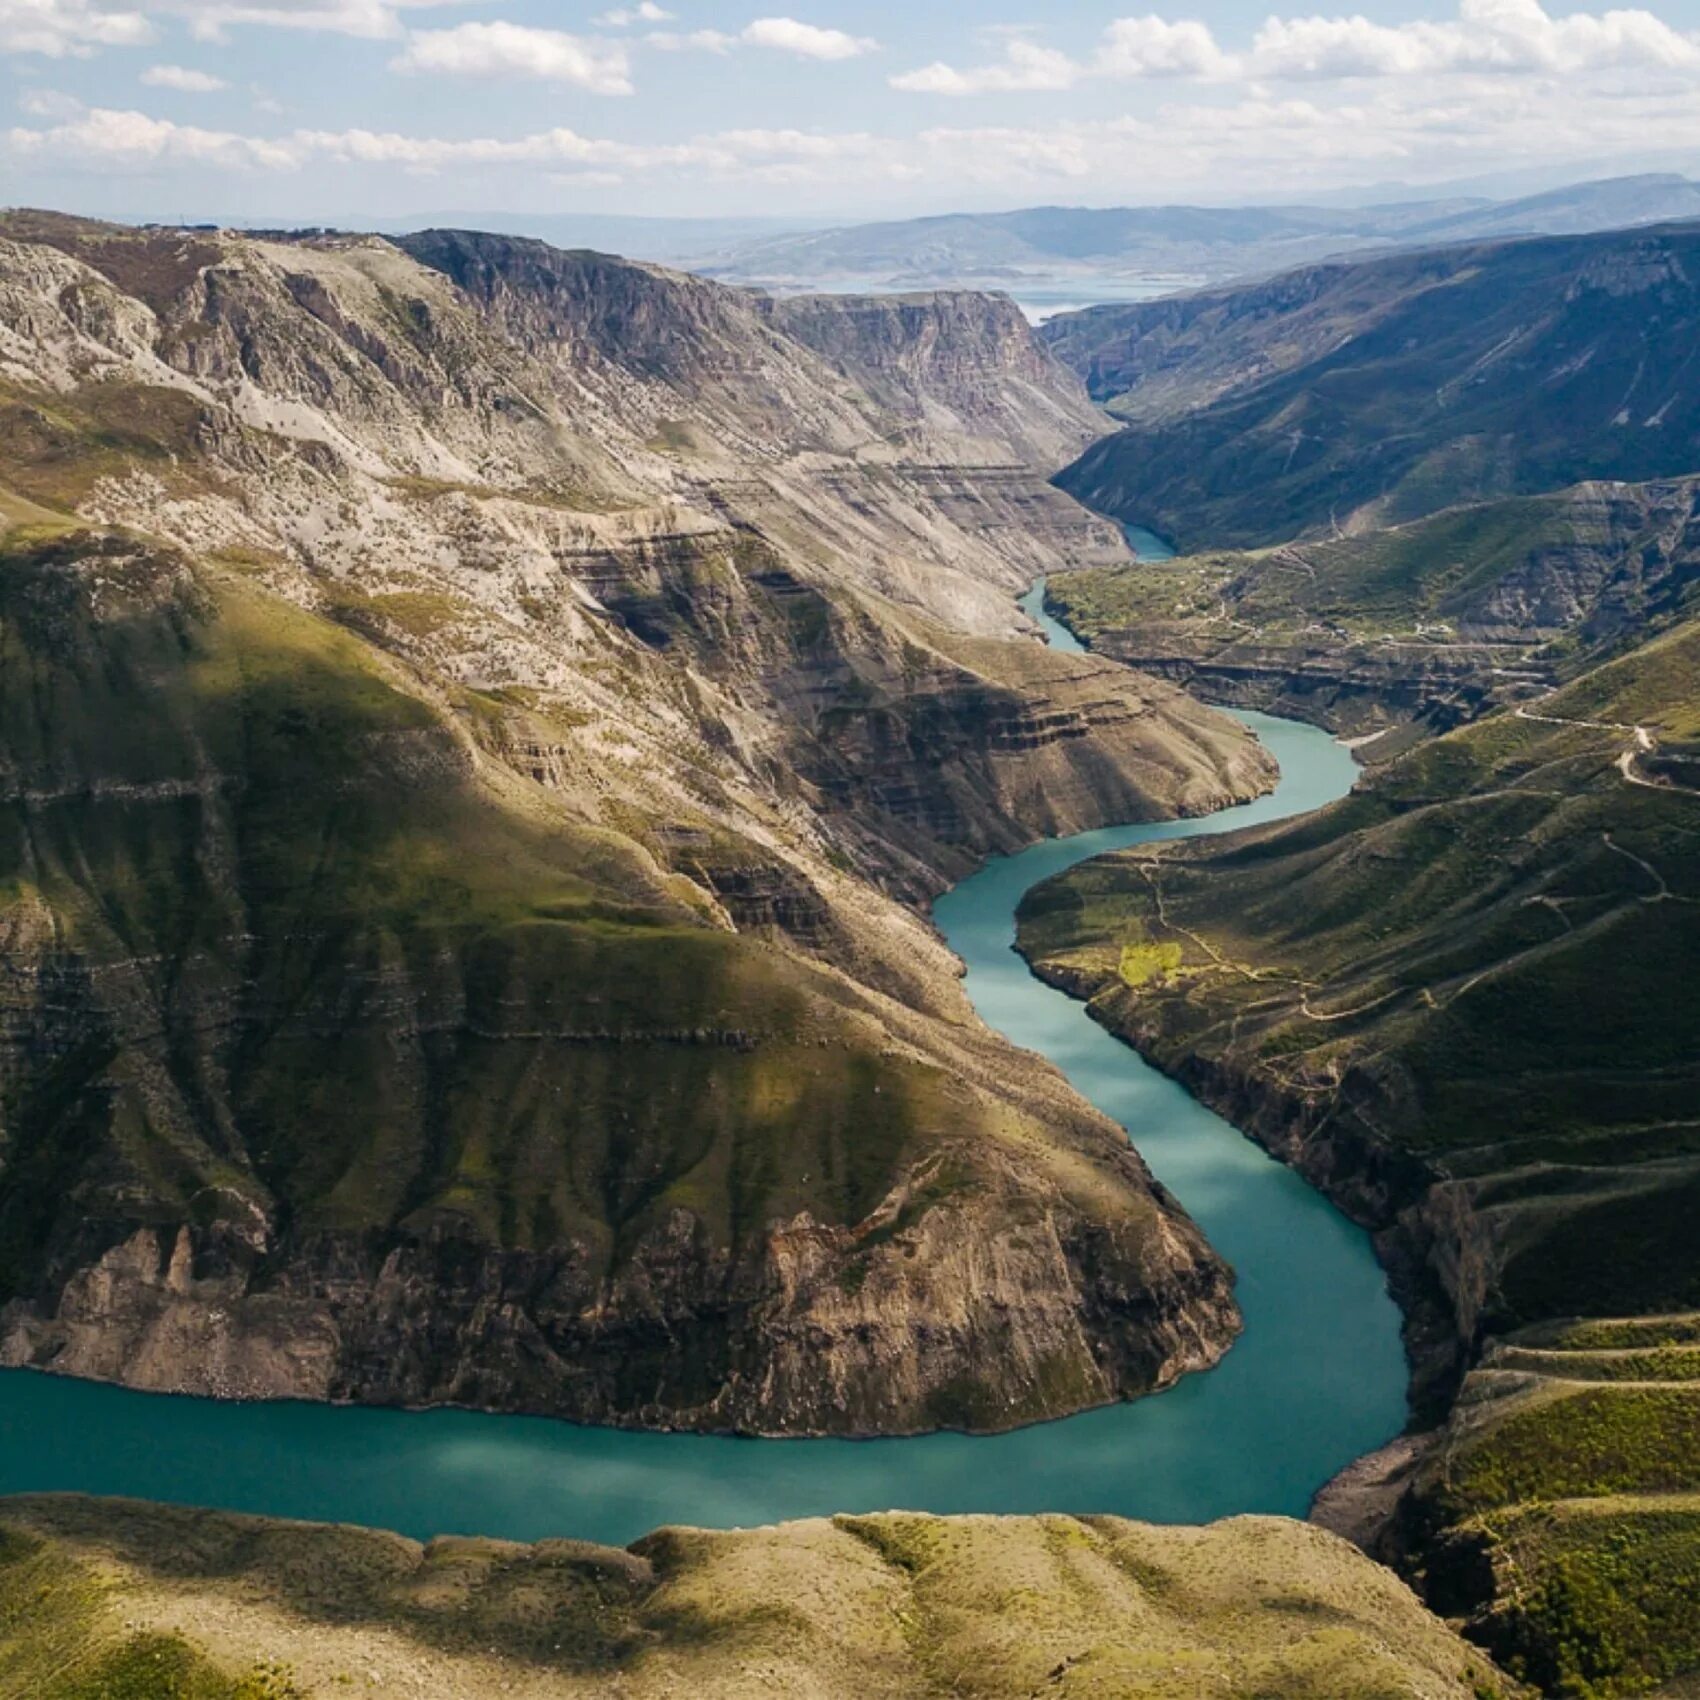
{"x": 1317, "y": 1379}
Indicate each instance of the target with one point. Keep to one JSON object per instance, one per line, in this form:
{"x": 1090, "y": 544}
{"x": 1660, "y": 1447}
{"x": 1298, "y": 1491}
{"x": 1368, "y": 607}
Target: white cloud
{"x": 182, "y": 79}
{"x": 1486, "y": 37}
{"x": 695, "y": 41}
{"x": 623, "y": 17}
{"x": 1154, "y": 47}
{"x": 785, "y": 35}
{"x": 62, "y": 29}
{"x": 516, "y": 50}
{"x": 371, "y": 20}
{"x": 49, "y": 103}
{"x": 1025, "y": 66}
{"x": 806, "y": 41}
{"x": 133, "y": 139}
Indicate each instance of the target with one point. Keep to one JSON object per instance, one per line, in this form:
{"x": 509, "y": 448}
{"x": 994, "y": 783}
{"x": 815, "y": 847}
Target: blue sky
{"x": 343, "y": 109}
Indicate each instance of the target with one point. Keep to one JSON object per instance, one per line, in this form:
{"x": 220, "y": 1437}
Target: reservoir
{"x": 1317, "y": 1379}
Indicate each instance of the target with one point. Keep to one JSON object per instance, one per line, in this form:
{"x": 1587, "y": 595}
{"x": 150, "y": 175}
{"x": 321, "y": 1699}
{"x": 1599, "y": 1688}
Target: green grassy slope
{"x": 1570, "y": 1479}
{"x": 1432, "y": 622}
{"x": 1482, "y": 961}
{"x": 95, "y": 1594}
{"x": 219, "y": 798}
{"x": 1503, "y": 370}
{"x": 1464, "y": 1001}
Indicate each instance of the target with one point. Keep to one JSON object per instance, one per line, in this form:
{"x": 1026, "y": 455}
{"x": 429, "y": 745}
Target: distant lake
{"x": 1040, "y": 298}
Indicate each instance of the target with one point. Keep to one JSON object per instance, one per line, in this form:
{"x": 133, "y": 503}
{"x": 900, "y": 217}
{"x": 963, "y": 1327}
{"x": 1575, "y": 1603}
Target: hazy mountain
{"x": 1173, "y": 246}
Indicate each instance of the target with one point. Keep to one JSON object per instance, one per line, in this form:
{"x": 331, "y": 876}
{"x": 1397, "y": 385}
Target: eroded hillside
{"x": 1393, "y": 634}
{"x": 472, "y": 716}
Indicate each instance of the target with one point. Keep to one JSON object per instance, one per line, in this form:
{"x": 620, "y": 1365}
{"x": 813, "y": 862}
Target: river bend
{"x": 1317, "y": 1379}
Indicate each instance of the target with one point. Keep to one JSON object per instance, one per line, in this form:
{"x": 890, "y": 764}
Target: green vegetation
{"x": 1434, "y": 622}
{"x": 56, "y": 449}
{"x": 323, "y": 973}
{"x": 1385, "y": 390}
{"x": 1142, "y": 962}
{"x": 1583, "y": 1500}
{"x": 1482, "y": 959}
{"x": 859, "y": 1608}
{"x": 1480, "y": 968}
{"x": 60, "y": 1639}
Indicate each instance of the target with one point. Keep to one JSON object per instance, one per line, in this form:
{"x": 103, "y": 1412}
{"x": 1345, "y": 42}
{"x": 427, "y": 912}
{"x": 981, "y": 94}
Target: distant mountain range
{"x": 1097, "y": 252}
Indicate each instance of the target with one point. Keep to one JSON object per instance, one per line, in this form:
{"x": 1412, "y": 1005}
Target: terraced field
{"x": 1570, "y": 1475}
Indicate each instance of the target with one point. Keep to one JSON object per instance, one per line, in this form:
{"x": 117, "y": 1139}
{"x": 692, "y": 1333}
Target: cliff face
{"x": 469, "y": 728}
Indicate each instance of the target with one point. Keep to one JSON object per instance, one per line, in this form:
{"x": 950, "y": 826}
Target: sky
{"x": 349, "y": 110}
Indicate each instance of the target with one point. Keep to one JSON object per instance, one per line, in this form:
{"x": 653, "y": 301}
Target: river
{"x": 1317, "y": 1379}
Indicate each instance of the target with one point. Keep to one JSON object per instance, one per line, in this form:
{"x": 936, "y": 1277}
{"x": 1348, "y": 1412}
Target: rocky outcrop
{"x": 888, "y": 1326}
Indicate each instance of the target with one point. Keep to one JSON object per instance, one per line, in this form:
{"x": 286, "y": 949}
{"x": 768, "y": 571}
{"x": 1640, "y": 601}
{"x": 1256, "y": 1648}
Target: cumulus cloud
{"x": 182, "y": 79}
{"x": 784, "y": 35}
{"x": 63, "y": 29}
{"x": 1025, "y": 67}
{"x": 516, "y": 50}
{"x": 623, "y": 17}
{"x": 133, "y": 139}
{"x": 1486, "y": 37}
{"x": 372, "y": 20}
{"x": 806, "y": 41}
{"x": 1154, "y": 47}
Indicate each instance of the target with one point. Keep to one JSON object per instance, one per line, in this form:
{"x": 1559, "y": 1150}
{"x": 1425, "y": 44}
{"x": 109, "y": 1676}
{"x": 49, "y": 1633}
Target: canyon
{"x": 481, "y": 725}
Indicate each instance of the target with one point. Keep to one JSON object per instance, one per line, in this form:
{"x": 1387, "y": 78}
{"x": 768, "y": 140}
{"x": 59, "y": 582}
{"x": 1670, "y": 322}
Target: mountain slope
{"x": 1355, "y": 396}
{"x": 1419, "y": 627}
{"x": 890, "y": 1606}
{"x": 468, "y": 726}
{"x": 1459, "y": 1000}
{"x": 1462, "y": 1002}
{"x": 1560, "y": 1507}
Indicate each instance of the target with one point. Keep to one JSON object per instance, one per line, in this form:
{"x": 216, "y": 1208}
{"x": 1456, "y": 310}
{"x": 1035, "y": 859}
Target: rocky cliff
{"x": 481, "y": 724}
